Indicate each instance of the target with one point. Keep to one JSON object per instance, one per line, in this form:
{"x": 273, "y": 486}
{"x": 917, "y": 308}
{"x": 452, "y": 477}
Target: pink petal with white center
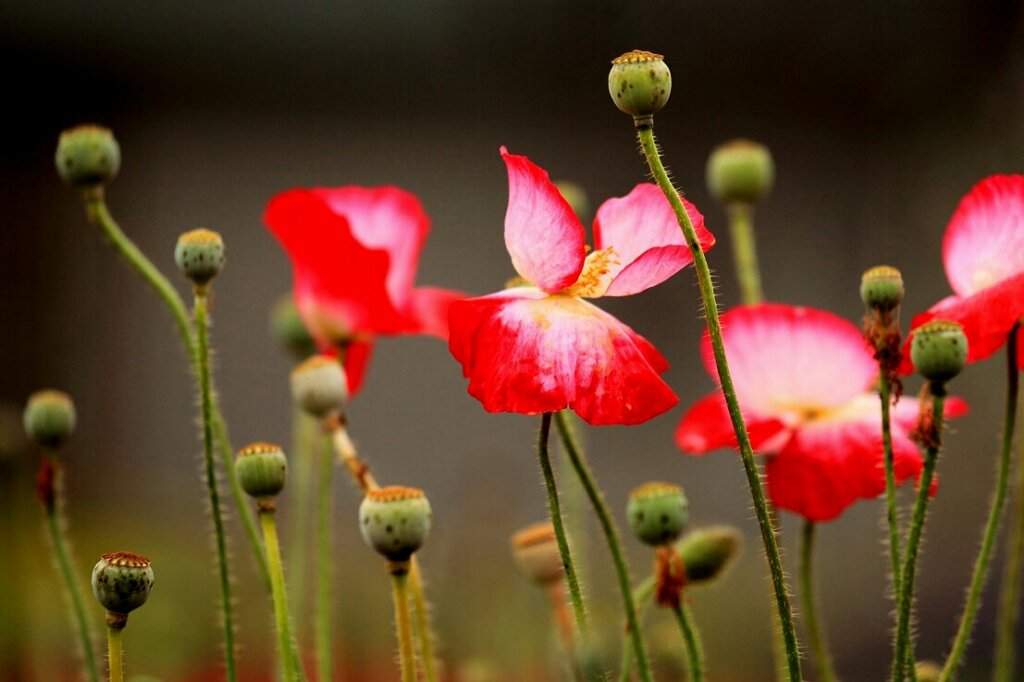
{"x": 428, "y": 310}
{"x": 542, "y": 234}
{"x": 984, "y": 243}
{"x": 706, "y": 426}
{"x": 526, "y": 352}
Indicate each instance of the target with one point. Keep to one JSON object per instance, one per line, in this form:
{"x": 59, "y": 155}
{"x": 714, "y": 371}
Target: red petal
{"x": 428, "y": 310}
{"x": 707, "y": 426}
{"x": 357, "y": 359}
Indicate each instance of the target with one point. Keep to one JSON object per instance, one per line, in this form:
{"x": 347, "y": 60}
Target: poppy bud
{"x": 640, "y": 84}
{"x": 658, "y": 513}
{"x": 881, "y": 288}
{"x": 927, "y": 671}
{"x": 49, "y": 417}
{"x": 708, "y": 552}
{"x": 319, "y": 386}
{"x": 395, "y": 521}
{"x": 199, "y": 255}
{"x": 87, "y": 156}
{"x": 536, "y": 555}
{"x": 740, "y": 171}
{"x": 939, "y": 350}
{"x": 121, "y": 583}
{"x": 289, "y": 330}
{"x": 262, "y": 470}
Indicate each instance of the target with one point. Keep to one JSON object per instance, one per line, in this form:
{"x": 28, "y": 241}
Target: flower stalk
{"x": 291, "y": 668}
{"x": 115, "y": 656}
{"x": 694, "y": 647}
{"x": 1009, "y": 591}
{"x": 324, "y": 563}
{"x": 403, "y": 625}
{"x": 819, "y": 644}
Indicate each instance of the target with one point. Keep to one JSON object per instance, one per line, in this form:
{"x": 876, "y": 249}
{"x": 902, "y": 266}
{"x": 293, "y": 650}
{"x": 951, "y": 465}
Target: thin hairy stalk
{"x": 909, "y": 571}
{"x": 891, "y": 508}
{"x": 291, "y": 667}
{"x": 406, "y": 655}
{"x": 300, "y": 481}
{"x": 744, "y": 251}
{"x": 694, "y": 647}
{"x": 563, "y": 623}
{"x": 220, "y": 540}
{"x": 611, "y": 536}
{"x": 115, "y": 655}
{"x": 995, "y": 514}
{"x": 819, "y": 644}
{"x": 642, "y": 595}
{"x": 707, "y": 291}
{"x": 324, "y": 563}
{"x": 1009, "y": 591}
{"x": 421, "y": 622}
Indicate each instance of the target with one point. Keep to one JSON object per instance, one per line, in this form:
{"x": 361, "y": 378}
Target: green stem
{"x": 303, "y": 454}
{"x": 290, "y": 666}
{"x": 203, "y": 358}
{"x": 909, "y": 570}
{"x": 891, "y": 509}
{"x": 744, "y": 251}
{"x": 324, "y": 562}
{"x": 406, "y": 655}
{"x": 115, "y": 656}
{"x": 694, "y": 648}
{"x": 642, "y": 595}
{"x": 1009, "y": 592}
{"x": 819, "y": 645}
{"x": 421, "y": 622}
{"x": 995, "y": 513}
{"x": 707, "y": 291}
{"x": 611, "y": 535}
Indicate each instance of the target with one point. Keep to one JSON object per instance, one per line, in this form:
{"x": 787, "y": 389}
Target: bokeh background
{"x": 880, "y": 116}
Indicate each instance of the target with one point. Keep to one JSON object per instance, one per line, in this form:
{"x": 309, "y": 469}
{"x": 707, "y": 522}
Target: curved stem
{"x": 611, "y": 535}
{"x": 115, "y": 656}
{"x": 405, "y": 649}
{"x": 642, "y": 595}
{"x": 909, "y": 571}
{"x": 290, "y": 666}
{"x": 694, "y": 648}
{"x": 744, "y": 251}
{"x": 891, "y": 509}
{"x": 995, "y": 513}
{"x": 421, "y": 622}
{"x": 203, "y": 357}
{"x": 1009, "y": 591}
{"x": 324, "y": 562}
{"x": 707, "y": 291}
{"x": 819, "y": 645}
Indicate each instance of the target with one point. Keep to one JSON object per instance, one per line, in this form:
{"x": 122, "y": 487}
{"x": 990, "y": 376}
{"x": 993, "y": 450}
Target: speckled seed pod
{"x": 87, "y": 156}
{"x": 122, "y": 581}
{"x": 640, "y": 83}
{"x": 939, "y": 350}
{"x": 262, "y": 470}
{"x": 881, "y": 288}
{"x": 395, "y": 521}
{"x": 289, "y": 330}
{"x": 49, "y": 417}
{"x": 740, "y": 171}
{"x": 536, "y": 555}
{"x": 319, "y": 386}
{"x": 657, "y": 513}
{"x": 199, "y": 255}
{"x": 708, "y": 552}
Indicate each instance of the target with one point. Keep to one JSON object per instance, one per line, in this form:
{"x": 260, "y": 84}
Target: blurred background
{"x": 880, "y": 116}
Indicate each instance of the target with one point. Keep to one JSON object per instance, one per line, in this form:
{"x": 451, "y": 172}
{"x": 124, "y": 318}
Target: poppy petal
{"x": 707, "y": 426}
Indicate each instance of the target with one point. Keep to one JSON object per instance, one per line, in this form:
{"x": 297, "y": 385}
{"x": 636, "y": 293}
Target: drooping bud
{"x": 121, "y": 583}
{"x": 939, "y": 350}
{"x": 49, "y": 417}
{"x": 740, "y": 171}
{"x": 640, "y": 84}
{"x": 927, "y": 671}
{"x": 708, "y": 552}
{"x": 199, "y": 255}
{"x": 395, "y": 521}
{"x": 536, "y": 555}
{"x": 289, "y": 330}
{"x": 262, "y": 470}
{"x": 319, "y": 386}
{"x": 881, "y": 288}
{"x": 87, "y": 156}
{"x": 657, "y": 513}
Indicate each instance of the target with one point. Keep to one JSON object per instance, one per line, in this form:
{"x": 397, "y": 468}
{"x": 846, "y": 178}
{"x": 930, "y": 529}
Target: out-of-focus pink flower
{"x": 804, "y": 379}
{"x": 540, "y": 347}
{"x": 354, "y": 253}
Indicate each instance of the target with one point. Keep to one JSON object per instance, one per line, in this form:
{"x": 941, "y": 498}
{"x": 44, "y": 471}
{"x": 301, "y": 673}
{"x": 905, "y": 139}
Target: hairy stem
{"x": 115, "y": 656}
{"x": 324, "y": 562}
{"x": 694, "y": 648}
{"x": 291, "y": 667}
{"x": 1009, "y": 591}
{"x": 406, "y": 655}
{"x": 891, "y": 509}
{"x": 300, "y": 475}
{"x": 819, "y": 645}
{"x": 744, "y": 251}
{"x": 421, "y": 622}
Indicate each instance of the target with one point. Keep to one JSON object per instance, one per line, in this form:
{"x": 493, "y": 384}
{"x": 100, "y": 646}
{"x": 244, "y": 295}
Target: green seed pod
{"x": 708, "y": 552}
{"x": 395, "y": 521}
{"x": 928, "y": 671}
{"x": 740, "y": 171}
{"x": 939, "y": 350}
{"x": 199, "y": 255}
{"x": 881, "y": 288}
{"x": 640, "y": 83}
{"x": 121, "y": 582}
{"x": 262, "y": 470}
{"x": 536, "y": 555}
{"x": 319, "y": 386}
{"x": 87, "y": 156}
{"x": 289, "y": 330}
{"x": 49, "y": 417}
{"x": 658, "y": 513}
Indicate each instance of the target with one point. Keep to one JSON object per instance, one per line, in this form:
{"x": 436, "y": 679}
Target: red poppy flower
{"x": 354, "y": 253}
{"x": 540, "y": 347}
{"x": 983, "y": 252}
{"x": 804, "y": 379}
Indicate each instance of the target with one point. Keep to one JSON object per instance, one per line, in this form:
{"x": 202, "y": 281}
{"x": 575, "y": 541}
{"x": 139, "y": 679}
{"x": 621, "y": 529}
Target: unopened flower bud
{"x": 881, "y": 288}
{"x": 87, "y": 156}
{"x": 319, "y": 386}
{"x": 262, "y": 470}
{"x": 708, "y": 552}
{"x": 927, "y": 671}
{"x": 740, "y": 171}
{"x": 199, "y": 255}
{"x": 288, "y": 328}
{"x": 640, "y": 84}
{"x": 49, "y": 417}
{"x": 536, "y": 555}
{"x": 939, "y": 350}
{"x": 121, "y": 583}
{"x": 658, "y": 513}
{"x": 395, "y": 521}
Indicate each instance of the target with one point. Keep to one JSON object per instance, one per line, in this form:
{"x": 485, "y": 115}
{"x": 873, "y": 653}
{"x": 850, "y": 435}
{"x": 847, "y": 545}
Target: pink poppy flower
{"x": 354, "y": 253}
{"x": 983, "y": 252}
{"x": 805, "y": 379}
{"x": 540, "y": 347}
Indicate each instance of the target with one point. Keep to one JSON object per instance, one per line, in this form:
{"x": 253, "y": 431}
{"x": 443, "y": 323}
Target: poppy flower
{"x": 983, "y": 253}
{"x": 354, "y": 253}
{"x": 540, "y": 347}
{"x": 804, "y": 379}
